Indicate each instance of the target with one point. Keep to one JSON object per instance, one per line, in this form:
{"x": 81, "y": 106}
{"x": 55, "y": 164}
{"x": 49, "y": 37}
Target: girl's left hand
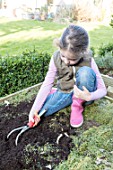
{"x": 85, "y": 94}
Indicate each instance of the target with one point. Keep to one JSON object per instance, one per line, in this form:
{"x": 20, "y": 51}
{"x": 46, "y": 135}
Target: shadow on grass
{"x": 27, "y": 34}
{"x": 26, "y": 25}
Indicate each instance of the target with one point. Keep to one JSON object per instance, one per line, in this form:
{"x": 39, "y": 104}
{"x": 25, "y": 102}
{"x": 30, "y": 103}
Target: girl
{"x": 78, "y": 78}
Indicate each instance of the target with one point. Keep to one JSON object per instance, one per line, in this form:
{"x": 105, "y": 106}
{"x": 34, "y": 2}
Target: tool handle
{"x": 30, "y": 124}
{"x": 37, "y": 118}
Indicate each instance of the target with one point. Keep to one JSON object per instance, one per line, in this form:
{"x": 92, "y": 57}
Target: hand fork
{"x": 24, "y": 128}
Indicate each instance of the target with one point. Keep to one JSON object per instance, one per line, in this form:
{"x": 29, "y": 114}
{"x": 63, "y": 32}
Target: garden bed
{"x": 39, "y": 148}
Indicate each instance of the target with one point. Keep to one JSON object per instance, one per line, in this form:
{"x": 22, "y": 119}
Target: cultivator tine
{"x": 22, "y": 131}
{"x": 14, "y": 130}
{"x": 24, "y": 128}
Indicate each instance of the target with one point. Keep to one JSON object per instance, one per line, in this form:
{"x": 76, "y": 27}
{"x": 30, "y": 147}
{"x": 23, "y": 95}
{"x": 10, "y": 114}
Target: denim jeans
{"x": 85, "y": 76}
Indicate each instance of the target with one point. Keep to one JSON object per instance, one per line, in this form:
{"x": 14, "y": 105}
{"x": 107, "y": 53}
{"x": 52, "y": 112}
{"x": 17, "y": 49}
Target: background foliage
{"x": 22, "y": 71}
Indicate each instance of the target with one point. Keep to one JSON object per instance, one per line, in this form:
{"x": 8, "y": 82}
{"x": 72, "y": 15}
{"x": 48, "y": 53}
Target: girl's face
{"x": 68, "y": 57}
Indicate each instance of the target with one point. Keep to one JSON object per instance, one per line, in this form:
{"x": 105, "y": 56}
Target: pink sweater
{"x": 49, "y": 80}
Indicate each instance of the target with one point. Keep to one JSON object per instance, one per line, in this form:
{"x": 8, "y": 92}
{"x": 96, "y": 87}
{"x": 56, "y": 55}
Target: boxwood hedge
{"x": 21, "y": 71}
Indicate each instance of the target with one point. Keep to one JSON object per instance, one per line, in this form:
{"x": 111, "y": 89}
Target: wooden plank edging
{"x": 109, "y": 85}
{"x": 107, "y": 80}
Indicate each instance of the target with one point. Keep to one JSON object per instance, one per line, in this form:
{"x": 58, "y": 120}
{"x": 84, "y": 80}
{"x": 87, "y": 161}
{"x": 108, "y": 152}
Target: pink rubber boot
{"x": 53, "y": 90}
{"x": 76, "y": 118}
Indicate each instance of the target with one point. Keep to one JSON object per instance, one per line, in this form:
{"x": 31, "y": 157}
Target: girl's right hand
{"x": 35, "y": 118}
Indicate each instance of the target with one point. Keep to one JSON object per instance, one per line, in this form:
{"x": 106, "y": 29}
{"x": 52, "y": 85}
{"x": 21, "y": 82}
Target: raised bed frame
{"x": 109, "y": 84}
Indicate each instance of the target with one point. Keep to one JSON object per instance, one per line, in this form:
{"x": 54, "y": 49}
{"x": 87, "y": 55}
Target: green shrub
{"x": 92, "y": 50}
{"x": 104, "y": 58}
{"x": 18, "y": 72}
{"x": 105, "y": 48}
{"x": 111, "y": 22}
{"x": 102, "y": 50}
{"x": 105, "y": 62}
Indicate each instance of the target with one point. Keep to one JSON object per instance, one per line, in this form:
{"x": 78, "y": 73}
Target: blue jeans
{"x": 85, "y": 76}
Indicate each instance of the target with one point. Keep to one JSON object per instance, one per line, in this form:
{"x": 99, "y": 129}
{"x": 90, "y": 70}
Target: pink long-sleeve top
{"x": 49, "y": 81}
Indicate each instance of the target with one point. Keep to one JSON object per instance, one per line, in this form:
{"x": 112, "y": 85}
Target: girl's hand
{"x": 35, "y": 118}
{"x": 85, "y": 94}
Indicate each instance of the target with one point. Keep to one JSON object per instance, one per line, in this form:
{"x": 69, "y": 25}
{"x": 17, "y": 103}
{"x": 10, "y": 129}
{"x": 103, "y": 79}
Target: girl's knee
{"x": 85, "y": 76}
{"x": 84, "y": 71}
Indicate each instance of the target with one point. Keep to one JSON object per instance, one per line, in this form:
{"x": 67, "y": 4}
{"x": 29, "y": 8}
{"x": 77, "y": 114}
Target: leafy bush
{"x": 18, "y": 72}
{"x": 105, "y": 62}
{"x": 111, "y": 22}
{"x": 105, "y": 48}
{"x": 102, "y": 50}
{"x": 104, "y": 58}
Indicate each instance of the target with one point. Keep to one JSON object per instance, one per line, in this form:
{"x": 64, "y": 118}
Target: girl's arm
{"x": 101, "y": 88}
{"x": 45, "y": 89}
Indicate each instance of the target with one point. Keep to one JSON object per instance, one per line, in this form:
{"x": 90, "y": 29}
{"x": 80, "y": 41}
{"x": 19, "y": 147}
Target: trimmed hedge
{"x": 22, "y": 71}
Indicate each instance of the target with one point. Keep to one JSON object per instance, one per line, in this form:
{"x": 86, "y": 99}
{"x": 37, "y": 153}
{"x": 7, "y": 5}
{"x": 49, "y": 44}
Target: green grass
{"x": 93, "y": 149}
{"x": 18, "y": 35}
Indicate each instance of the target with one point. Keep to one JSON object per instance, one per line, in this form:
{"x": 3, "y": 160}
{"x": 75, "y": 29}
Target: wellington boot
{"x": 76, "y": 118}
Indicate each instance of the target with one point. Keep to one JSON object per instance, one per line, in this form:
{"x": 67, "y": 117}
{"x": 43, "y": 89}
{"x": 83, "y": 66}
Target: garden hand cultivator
{"x": 23, "y": 129}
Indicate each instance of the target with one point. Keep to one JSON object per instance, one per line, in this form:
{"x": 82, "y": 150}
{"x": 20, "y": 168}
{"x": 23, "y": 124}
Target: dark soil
{"x": 37, "y": 148}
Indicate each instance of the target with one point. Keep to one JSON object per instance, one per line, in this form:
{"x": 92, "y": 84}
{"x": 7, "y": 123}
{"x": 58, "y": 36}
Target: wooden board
{"x": 109, "y": 85}
{"x": 107, "y": 80}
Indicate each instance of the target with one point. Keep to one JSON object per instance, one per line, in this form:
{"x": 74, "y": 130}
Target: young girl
{"x": 78, "y": 78}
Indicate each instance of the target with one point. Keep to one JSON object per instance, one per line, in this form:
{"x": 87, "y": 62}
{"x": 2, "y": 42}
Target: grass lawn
{"x": 93, "y": 149}
{"x": 18, "y": 35}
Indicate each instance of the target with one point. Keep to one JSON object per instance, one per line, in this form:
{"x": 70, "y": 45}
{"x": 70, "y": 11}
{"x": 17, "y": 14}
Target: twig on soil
{"x": 60, "y": 136}
{"x": 66, "y": 134}
{"x": 49, "y": 167}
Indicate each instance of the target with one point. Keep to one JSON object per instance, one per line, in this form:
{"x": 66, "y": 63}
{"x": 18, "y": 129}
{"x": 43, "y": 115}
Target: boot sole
{"x": 76, "y": 126}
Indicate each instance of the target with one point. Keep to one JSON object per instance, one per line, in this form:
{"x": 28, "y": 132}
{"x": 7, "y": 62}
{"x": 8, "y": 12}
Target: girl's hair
{"x": 75, "y": 39}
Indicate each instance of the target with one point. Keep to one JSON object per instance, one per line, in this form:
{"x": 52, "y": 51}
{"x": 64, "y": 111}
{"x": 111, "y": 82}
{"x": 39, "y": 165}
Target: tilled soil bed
{"x": 39, "y": 147}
